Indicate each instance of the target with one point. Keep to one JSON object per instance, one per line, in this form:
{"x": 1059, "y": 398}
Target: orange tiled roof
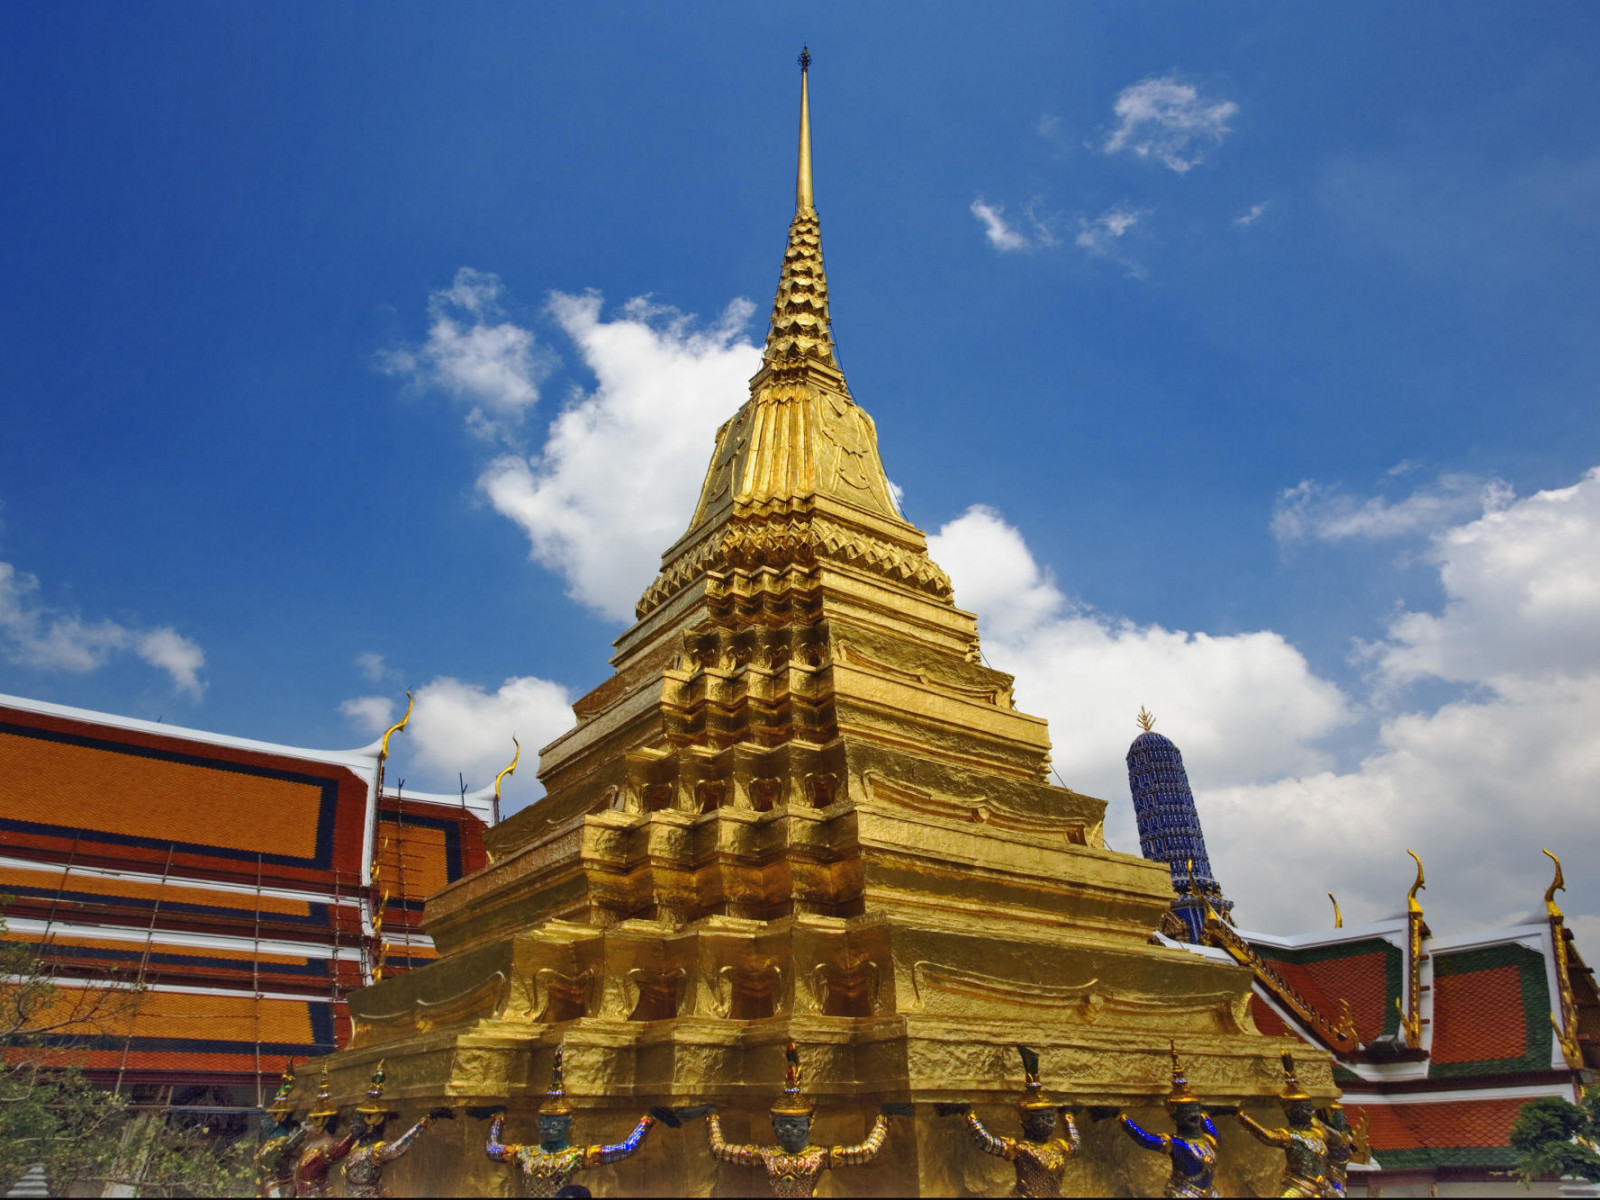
{"x": 1442, "y": 1133}
{"x": 1365, "y": 973}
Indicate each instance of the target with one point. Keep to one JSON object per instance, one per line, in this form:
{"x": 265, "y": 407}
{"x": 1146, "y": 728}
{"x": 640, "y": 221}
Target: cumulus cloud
{"x": 1168, "y": 121}
{"x": 1323, "y": 512}
{"x": 1249, "y": 705}
{"x": 1001, "y": 234}
{"x": 617, "y": 478}
{"x": 33, "y": 634}
{"x": 461, "y": 729}
{"x": 1522, "y": 587}
{"x": 1257, "y": 211}
{"x": 370, "y": 714}
{"x": 1479, "y": 784}
{"x": 373, "y": 668}
{"x": 1476, "y": 787}
{"x": 489, "y": 363}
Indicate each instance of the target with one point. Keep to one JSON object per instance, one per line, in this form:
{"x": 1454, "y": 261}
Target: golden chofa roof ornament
{"x": 509, "y": 769}
{"x": 1566, "y": 1029}
{"x": 397, "y": 727}
{"x": 1416, "y": 930}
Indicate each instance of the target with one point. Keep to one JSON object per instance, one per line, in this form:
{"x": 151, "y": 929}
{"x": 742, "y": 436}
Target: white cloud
{"x": 1005, "y": 236}
{"x": 373, "y": 668}
{"x": 1053, "y": 130}
{"x": 1248, "y": 706}
{"x": 1097, "y": 236}
{"x": 1102, "y": 237}
{"x": 35, "y": 635}
{"x": 1170, "y": 122}
{"x": 1522, "y": 586}
{"x": 459, "y": 728}
{"x": 621, "y": 467}
{"x": 173, "y": 653}
{"x": 1476, "y": 787}
{"x": 1257, "y": 211}
{"x": 1476, "y": 784}
{"x": 493, "y": 365}
{"x": 1482, "y": 782}
{"x": 1001, "y": 234}
{"x": 1312, "y": 510}
{"x": 370, "y": 714}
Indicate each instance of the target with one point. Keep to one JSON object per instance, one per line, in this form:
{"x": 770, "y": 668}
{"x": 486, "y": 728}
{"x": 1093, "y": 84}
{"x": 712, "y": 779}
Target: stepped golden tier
{"x": 802, "y": 807}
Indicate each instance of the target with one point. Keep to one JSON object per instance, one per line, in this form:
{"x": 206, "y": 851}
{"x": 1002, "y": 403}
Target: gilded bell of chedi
{"x": 802, "y": 807}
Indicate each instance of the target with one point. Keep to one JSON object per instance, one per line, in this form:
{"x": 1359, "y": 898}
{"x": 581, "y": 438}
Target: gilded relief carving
{"x": 561, "y": 997}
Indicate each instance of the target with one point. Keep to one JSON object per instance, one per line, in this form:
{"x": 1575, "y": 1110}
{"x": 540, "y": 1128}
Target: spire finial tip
{"x": 805, "y": 57}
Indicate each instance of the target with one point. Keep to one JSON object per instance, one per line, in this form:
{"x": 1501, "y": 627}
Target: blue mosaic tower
{"x": 1169, "y": 826}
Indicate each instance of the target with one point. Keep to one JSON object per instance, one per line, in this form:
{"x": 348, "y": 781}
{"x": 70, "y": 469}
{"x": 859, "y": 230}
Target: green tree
{"x": 81, "y": 1133}
{"x": 1556, "y": 1137}
{"x": 48, "y": 1112}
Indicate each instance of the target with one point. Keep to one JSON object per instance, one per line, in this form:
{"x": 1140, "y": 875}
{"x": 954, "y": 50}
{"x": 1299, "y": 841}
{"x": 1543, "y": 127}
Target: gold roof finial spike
{"x": 1145, "y": 719}
{"x": 383, "y": 749}
{"x": 803, "y": 198}
{"x": 1338, "y": 917}
{"x": 1566, "y": 1029}
{"x": 1558, "y": 884}
{"x": 511, "y": 768}
{"x": 1420, "y": 885}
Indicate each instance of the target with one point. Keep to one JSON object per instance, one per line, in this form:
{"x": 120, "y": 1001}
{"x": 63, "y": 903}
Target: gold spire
{"x": 1145, "y": 719}
{"x": 800, "y": 335}
{"x": 796, "y": 476}
{"x": 802, "y": 182}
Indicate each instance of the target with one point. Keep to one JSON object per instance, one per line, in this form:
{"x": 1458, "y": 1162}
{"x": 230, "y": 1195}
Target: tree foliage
{"x": 1559, "y": 1138}
{"x": 81, "y": 1133}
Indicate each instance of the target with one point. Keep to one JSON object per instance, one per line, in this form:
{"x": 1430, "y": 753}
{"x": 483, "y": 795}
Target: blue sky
{"x": 1261, "y": 336}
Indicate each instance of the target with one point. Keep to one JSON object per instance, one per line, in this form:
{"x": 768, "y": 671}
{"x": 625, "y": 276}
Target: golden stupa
{"x": 803, "y": 808}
